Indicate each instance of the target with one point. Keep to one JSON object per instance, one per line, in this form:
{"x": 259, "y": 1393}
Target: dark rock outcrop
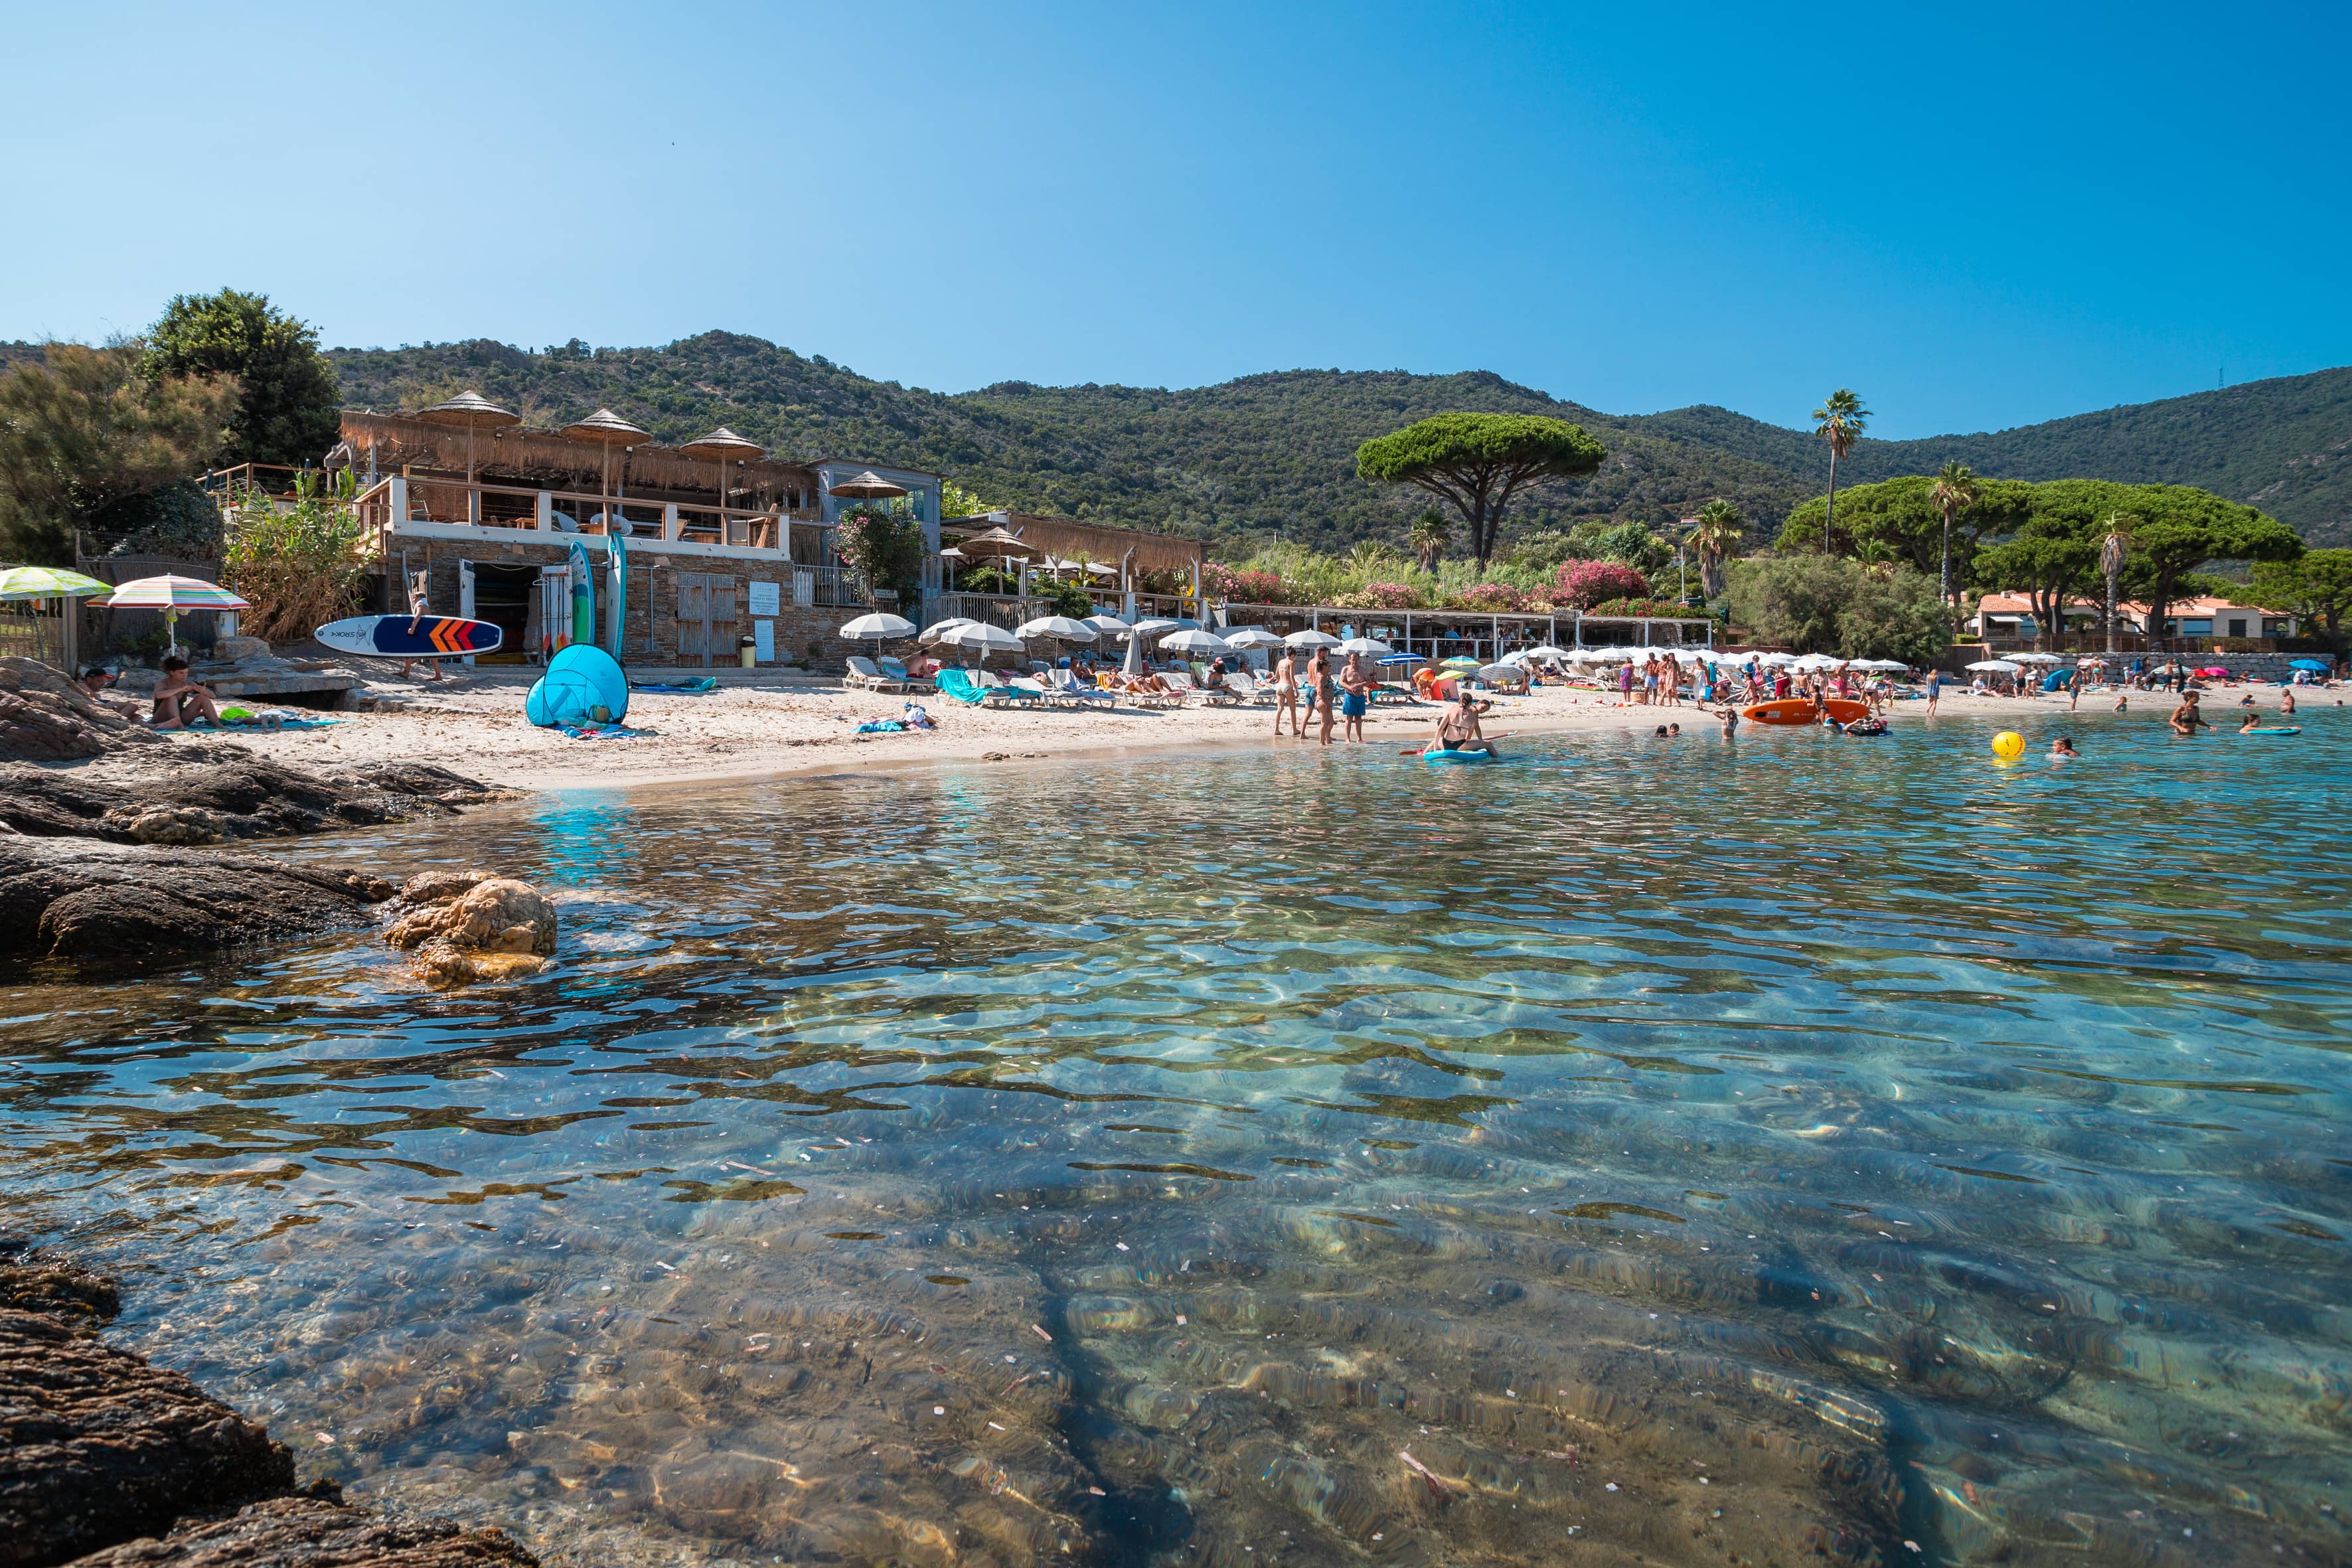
{"x": 213, "y": 794}
{"x": 106, "y": 1460}
{"x": 312, "y": 1532}
{"x": 80, "y": 899}
{"x": 97, "y": 1446}
{"x": 44, "y": 716}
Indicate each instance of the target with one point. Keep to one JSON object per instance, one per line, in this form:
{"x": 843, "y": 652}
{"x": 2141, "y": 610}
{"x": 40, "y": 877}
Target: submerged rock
{"x": 81, "y": 898}
{"x": 96, "y": 1445}
{"x": 107, "y": 1461}
{"x": 314, "y": 1532}
{"x": 467, "y": 926}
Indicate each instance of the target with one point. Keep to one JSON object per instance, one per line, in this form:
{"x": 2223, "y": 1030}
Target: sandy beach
{"x": 474, "y": 724}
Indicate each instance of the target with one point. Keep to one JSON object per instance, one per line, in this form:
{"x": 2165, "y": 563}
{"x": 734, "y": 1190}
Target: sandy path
{"x": 475, "y": 726}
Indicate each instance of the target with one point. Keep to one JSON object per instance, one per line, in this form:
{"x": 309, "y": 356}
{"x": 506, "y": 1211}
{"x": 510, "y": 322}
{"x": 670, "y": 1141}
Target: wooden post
{"x": 671, "y": 526}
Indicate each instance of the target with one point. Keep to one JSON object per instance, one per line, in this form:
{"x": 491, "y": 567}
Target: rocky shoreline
{"x": 107, "y": 1461}
{"x": 104, "y": 827}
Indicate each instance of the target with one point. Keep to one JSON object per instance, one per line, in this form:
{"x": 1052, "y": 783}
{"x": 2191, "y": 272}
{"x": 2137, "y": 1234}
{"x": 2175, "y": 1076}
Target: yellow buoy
{"x": 2009, "y": 745}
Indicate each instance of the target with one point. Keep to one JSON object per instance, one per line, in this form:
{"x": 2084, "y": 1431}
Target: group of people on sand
{"x": 1341, "y": 699}
{"x": 178, "y": 702}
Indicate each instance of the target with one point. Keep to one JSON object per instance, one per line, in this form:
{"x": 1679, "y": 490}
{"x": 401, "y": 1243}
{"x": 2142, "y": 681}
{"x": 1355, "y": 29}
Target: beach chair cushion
{"x": 957, "y": 685}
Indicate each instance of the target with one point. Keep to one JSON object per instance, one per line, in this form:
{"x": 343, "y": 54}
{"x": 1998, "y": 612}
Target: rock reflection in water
{"x": 940, "y": 1187}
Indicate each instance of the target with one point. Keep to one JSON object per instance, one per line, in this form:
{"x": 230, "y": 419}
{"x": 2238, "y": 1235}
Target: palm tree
{"x": 1840, "y": 417}
{"x": 1713, "y": 534}
{"x": 1429, "y": 537}
{"x": 1953, "y": 492}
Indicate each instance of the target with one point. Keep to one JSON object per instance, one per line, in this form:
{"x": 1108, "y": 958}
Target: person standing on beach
{"x": 1285, "y": 693}
{"x": 1934, "y": 689}
{"x": 1355, "y": 696}
{"x": 419, "y": 588}
{"x": 1625, "y": 684}
{"x": 1327, "y": 694}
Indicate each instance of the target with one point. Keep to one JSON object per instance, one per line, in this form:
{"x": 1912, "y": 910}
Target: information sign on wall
{"x": 767, "y": 599}
{"x": 764, "y": 633}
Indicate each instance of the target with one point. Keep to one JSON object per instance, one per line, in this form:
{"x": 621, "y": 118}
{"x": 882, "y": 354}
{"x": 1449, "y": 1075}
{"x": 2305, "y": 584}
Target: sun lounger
{"x": 1065, "y": 690}
{"x": 1244, "y": 689}
{"x": 895, "y": 669}
{"x": 957, "y": 685}
{"x": 862, "y": 672}
{"x": 998, "y": 691}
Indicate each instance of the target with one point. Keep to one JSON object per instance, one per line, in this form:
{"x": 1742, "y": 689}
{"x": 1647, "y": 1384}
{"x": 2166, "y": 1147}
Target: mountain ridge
{"x": 1273, "y": 453}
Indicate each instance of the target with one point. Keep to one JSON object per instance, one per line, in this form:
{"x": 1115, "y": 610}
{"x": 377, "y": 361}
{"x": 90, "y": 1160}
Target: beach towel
{"x": 706, "y": 683}
{"x": 881, "y": 727}
{"x": 600, "y": 731}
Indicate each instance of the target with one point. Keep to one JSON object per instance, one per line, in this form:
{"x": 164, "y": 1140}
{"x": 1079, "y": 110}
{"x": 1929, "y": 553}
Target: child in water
{"x": 2063, "y": 750}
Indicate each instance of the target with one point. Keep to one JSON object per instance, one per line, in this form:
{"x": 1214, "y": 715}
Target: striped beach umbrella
{"x": 172, "y": 595}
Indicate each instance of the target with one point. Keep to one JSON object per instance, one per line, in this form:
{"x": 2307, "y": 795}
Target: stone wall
{"x": 651, "y": 635}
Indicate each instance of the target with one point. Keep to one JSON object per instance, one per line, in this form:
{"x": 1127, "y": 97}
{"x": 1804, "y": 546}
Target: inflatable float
{"x": 2273, "y": 730}
{"x": 410, "y": 637}
{"x": 1800, "y": 711}
{"x": 1435, "y": 755}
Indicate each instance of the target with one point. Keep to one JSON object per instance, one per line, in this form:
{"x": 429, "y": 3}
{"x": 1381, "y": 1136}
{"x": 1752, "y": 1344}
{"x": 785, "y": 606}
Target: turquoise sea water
{"x": 1798, "y": 1148}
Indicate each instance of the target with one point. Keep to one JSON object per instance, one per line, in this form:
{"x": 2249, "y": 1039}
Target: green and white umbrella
{"x": 50, "y": 582}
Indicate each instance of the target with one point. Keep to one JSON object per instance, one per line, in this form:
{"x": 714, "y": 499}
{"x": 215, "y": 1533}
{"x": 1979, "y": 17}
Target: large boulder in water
{"x": 466, "y": 926}
{"x": 197, "y": 792}
{"x": 85, "y": 900}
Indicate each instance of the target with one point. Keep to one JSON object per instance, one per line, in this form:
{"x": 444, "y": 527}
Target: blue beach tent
{"x": 579, "y": 681}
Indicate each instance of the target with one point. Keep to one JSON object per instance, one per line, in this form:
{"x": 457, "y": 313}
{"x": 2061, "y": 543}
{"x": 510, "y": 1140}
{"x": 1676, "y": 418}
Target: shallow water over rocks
{"x": 1801, "y": 1150}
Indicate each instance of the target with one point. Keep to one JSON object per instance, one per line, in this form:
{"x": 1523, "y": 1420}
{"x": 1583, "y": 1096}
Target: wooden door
{"x": 694, "y": 617}
{"x": 722, "y": 634}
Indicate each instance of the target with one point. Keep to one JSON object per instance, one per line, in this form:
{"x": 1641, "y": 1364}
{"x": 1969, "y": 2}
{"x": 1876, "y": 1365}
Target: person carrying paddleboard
{"x": 419, "y": 586}
{"x": 1457, "y": 729}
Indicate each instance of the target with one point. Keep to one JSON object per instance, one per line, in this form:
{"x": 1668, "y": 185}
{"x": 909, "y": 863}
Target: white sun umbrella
{"x": 1997, "y": 666}
{"x": 1252, "y": 637}
{"x": 2035, "y": 658}
{"x": 1055, "y": 627}
{"x": 1311, "y": 640}
{"x": 1370, "y": 647}
{"x": 1544, "y": 651}
{"x": 1107, "y": 623}
{"x": 1194, "y": 640}
{"x": 1494, "y": 674}
{"x": 866, "y": 628}
{"x": 980, "y": 635}
{"x": 939, "y": 629}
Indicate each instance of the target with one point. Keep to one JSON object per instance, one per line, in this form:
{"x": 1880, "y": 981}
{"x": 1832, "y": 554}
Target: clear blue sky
{"x": 1976, "y": 220}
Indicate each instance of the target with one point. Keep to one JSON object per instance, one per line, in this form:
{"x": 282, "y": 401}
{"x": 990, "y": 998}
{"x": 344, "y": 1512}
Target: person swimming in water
{"x": 2062, "y": 748}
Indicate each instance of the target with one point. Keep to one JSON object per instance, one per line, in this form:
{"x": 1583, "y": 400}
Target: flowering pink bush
{"x": 1387, "y": 596}
{"x": 1590, "y": 583}
{"x": 1651, "y": 608}
{"x": 1493, "y": 598}
{"x": 1221, "y": 582}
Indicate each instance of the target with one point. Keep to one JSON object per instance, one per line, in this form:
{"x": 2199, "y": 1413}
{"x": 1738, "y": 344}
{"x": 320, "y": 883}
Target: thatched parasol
{"x": 475, "y": 413}
{"x": 997, "y": 541}
{"x": 608, "y": 430}
{"x": 725, "y": 446}
{"x": 870, "y": 486}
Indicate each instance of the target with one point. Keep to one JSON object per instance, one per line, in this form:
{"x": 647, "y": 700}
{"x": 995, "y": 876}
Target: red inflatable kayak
{"x": 1799, "y": 711}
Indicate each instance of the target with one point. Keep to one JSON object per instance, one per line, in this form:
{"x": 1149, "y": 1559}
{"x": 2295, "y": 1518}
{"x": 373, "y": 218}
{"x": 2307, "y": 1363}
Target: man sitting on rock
{"x": 180, "y": 701}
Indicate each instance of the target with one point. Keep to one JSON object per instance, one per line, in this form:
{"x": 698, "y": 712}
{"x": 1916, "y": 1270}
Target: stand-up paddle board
{"x": 410, "y": 637}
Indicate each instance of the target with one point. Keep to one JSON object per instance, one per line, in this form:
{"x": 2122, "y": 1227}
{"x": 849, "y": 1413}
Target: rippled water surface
{"x": 1659, "y": 1151}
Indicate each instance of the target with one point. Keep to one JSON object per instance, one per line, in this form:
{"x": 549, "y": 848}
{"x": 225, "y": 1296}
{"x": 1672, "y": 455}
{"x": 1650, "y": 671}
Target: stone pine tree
{"x": 1839, "y": 421}
{"x": 1477, "y": 462}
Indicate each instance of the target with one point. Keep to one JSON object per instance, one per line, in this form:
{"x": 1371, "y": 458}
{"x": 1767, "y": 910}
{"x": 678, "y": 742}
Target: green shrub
{"x": 887, "y": 544}
{"x": 1821, "y": 604}
{"x": 300, "y": 567}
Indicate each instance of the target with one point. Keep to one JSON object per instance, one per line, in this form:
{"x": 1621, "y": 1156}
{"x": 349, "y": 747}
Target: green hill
{"x": 1240, "y": 460}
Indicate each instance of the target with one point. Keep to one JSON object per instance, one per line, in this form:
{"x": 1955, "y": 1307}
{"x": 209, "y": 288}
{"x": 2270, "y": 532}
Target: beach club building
{"x": 2006, "y": 617}
{"x": 688, "y": 550}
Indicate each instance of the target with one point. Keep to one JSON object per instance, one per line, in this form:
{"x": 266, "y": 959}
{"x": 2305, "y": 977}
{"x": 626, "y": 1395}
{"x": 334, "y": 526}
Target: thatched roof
{"x": 1090, "y": 541}
{"x": 521, "y": 454}
{"x": 723, "y": 444}
{"x": 606, "y": 427}
{"x": 469, "y": 408}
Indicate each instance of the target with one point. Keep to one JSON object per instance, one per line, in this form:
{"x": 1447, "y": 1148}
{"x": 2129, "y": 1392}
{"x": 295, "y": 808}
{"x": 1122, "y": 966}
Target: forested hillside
{"x": 1240, "y": 461}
